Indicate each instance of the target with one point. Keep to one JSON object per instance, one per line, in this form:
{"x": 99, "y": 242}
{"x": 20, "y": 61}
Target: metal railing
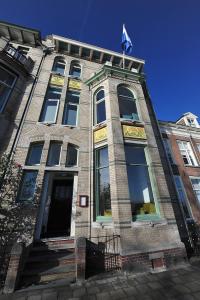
{"x": 102, "y": 254}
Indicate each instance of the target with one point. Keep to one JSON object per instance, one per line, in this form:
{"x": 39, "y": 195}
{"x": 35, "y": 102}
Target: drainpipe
{"x": 46, "y": 51}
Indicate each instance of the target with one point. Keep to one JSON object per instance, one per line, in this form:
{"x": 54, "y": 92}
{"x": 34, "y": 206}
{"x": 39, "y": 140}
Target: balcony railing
{"x": 24, "y": 61}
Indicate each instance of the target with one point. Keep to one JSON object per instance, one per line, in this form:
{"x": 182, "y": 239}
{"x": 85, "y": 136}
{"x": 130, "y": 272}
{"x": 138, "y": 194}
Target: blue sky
{"x": 165, "y": 33}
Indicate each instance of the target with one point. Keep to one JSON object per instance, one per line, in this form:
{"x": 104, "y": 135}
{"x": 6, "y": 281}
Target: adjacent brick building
{"x": 90, "y": 140}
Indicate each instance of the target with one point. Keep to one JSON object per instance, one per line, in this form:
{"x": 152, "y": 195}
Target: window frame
{"x": 60, "y": 60}
{"x": 49, "y": 100}
{"x": 72, "y": 104}
{"x": 96, "y": 103}
{"x": 168, "y": 151}
{"x": 50, "y": 144}
{"x": 72, "y": 65}
{"x": 187, "y": 150}
{"x": 29, "y": 153}
{"x": 20, "y": 200}
{"x": 77, "y": 156}
{"x": 133, "y": 99}
{"x": 7, "y": 86}
{"x": 194, "y": 190}
{"x": 143, "y": 217}
{"x": 97, "y": 216}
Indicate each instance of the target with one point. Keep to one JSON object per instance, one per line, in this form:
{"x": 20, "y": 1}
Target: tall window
{"x": 27, "y": 186}
{"x": 54, "y": 154}
{"x": 127, "y": 104}
{"x": 182, "y": 196}
{"x": 102, "y": 183}
{"x": 51, "y": 104}
{"x": 75, "y": 69}
{"x": 187, "y": 153}
{"x": 7, "y": 81}
{"x": 198, "y": 147}
{"x": 168, "y": 151}
{"x": 196, "y": 186}
{"x": 141, "y": 196}
{"x": 59, "y": 65}
{"x": 34, "y": 154}
{"x": 71, "y": 108}
{"x": 100, "y": 110}
{"x": 72, "y": 153}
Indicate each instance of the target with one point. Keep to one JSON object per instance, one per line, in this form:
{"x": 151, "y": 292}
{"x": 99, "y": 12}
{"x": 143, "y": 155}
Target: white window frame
{"x": 73, "y": 104}
{"x": 30, "y": 153}
{"x": 58, "y": 60}
{"x": 97, "y": 103}
{"x": 194, "y": 189}
{"x": 10, "y": 87}
{"x": 129, "y": 99}
{"x": 187, "y": 148}
{"x": 72, "y": 64}
{"x": 185, "y": 195}
{"x": 77, "y": 158}
{"x": 61, "y": 145}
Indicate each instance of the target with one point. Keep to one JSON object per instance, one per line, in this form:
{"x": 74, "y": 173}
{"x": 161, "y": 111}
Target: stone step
{"x": 48, "y": 257}
{"x": 49, "y": 270}
{"x": 43, "y": 246}
{"x": 26, "y": 281}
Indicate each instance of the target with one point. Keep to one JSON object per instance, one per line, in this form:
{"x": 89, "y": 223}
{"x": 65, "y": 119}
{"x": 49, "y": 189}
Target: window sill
{"x": 129, "y": 121}
{"x": 148, "y": 220}
{"x": 99, "y": 125}
{"x": 47, "y": 123}
{"x": 191, "y": 166}
{"x": 103, "y": 224}
{"x": 70, "y": 126}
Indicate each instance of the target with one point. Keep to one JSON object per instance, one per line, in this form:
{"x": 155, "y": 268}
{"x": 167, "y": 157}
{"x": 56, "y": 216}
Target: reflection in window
{"x": 102, "y": 183}
{"x": 127, "y": 104}
{"x": 182, "y": 196}
{"x": 100, "y": 110}
{"x": 168, "y": 150}
{"x": 71, "y": 159}
{"x": 7, "y": 81}
{"x": 75, "y": 70}
{"x": 59, "y": 66}
{"x": 140, "y": 191}
{"x": 54, "y": 154}
{"x": 187, "y": 153}
{"x": 27, "y": 186}
{"x": 196, "y": 187}
{"x": 34, "y": 154}
{"x": 71, "y": 108}
{"x": 51, "y": 103}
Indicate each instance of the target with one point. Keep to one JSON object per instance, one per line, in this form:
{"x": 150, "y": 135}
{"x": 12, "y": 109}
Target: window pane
{"x": 4, "y": 92}
{"x": 75, "y": 70}
{"x": 53, "y": 93}
{"x": 104, "y": 192}
{"x": 182, "y": 195}
{"x": 49, "y": 112}
{"x": 59, "y": 68}
{"x": 141, "y": 195}
{"x": 6, "y": 77}
{"x": 101, "y": 112}
{"x": 27, "y": 187}
{"x": 70, "y": 114}
{"x": 100, "y": 95}
{"x": 71, "y": 156}
{"x": 122, "y": 91}
{"x": 72, "y": 97}
{"x": 54, "y": 154}
{"x": 134, "y": 154}
{"x": 102, "y": 157}
{"x": 34, "y": 154}
{"x": 127, "y": 109}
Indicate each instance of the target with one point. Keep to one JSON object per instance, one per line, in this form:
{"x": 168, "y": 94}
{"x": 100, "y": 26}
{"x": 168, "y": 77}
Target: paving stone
{"x": 196, "y": 296}
{"x": 93, "y": 290}
{"x": 154, "y": 285}
{"x": 103, "y": 296}
{"x": 79, "y": 292}
{"x": 117, "y": 294}
{"x": 35, "y": 297}
{"x": 182, "y": 289}
{"x": 49, "y": 296}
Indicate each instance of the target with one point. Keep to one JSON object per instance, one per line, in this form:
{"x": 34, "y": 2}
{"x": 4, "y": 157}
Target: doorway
{"x": 59, "y": 216}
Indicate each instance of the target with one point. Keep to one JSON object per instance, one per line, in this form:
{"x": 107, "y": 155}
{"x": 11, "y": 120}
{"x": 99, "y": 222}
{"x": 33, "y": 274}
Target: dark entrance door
{"x": 59, "y": 219}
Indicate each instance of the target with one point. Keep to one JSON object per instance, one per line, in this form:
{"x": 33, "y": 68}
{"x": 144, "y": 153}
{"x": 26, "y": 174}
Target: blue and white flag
{"x": 127, "y": 46}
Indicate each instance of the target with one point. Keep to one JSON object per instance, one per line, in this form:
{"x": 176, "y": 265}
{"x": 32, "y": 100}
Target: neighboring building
{"x": 182, "y": 144}
{"x": 89, "y": 139}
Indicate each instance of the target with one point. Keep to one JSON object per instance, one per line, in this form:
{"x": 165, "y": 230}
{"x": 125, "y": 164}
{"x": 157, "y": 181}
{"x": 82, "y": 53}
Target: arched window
{"x": 59, "y": 65}
{"x": 75, "y": 69}
{"x": 100, "y": 110}
{"x": 127, "y": 104}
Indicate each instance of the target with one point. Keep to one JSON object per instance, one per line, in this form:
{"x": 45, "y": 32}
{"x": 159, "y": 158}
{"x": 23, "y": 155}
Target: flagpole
{"x": 123, "y": 60}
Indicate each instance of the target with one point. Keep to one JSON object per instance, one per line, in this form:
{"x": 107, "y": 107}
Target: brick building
{"x": 86, "y": 133}
{"x": 182, "y": 144}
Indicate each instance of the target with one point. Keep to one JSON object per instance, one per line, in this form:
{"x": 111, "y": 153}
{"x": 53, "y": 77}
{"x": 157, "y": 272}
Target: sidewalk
{"x": 181, "y": 284}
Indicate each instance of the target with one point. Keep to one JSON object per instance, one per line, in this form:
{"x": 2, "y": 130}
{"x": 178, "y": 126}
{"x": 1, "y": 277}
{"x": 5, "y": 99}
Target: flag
{"x": 127, "y": 46}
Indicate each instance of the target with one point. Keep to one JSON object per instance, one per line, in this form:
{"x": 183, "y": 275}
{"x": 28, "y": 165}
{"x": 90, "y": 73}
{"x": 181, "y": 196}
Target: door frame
{"x": 43, "y": 211}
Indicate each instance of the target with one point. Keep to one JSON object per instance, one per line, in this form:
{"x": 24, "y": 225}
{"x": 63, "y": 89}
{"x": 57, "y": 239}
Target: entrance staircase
{"x": 49, "y": 260}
